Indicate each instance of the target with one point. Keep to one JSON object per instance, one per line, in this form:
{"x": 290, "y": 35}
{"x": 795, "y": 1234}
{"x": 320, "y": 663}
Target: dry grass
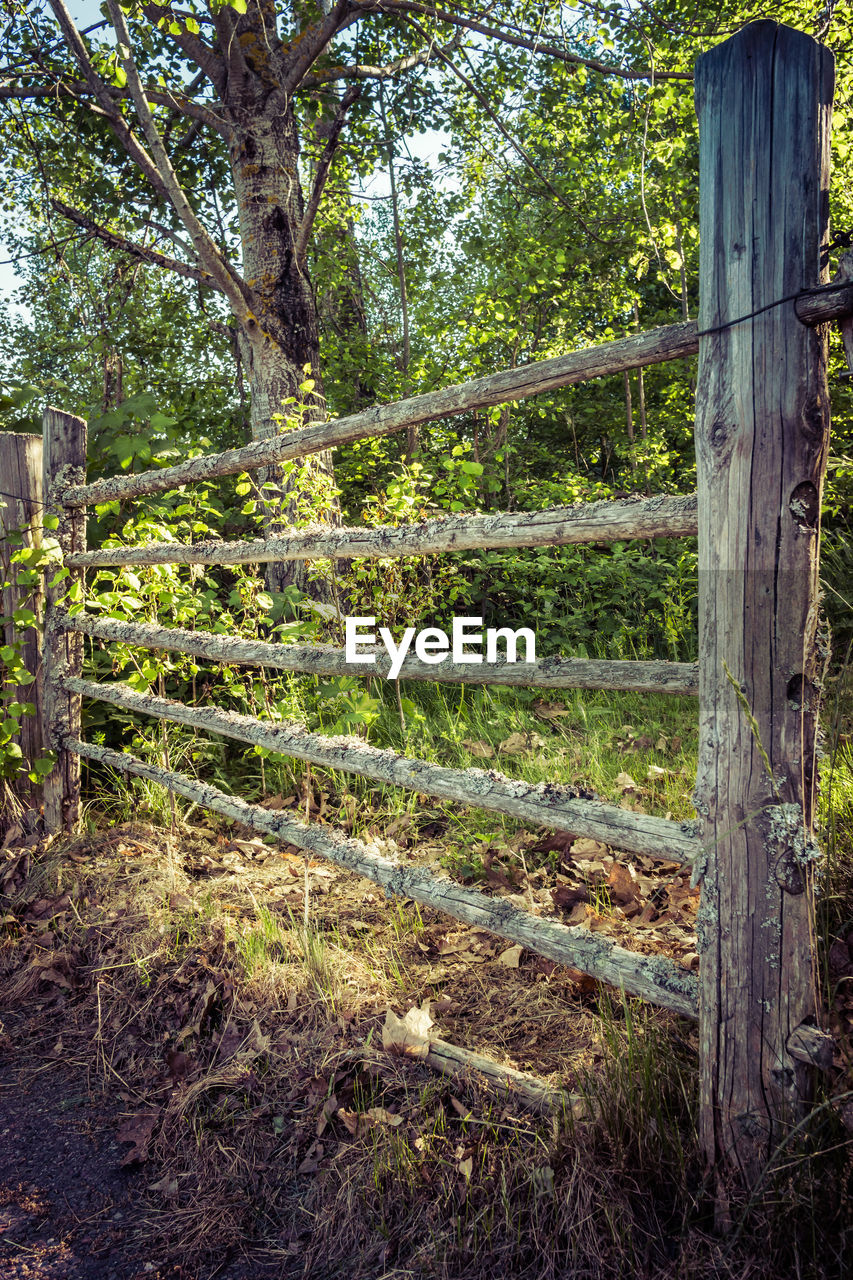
{"x": 246, "y": 1047}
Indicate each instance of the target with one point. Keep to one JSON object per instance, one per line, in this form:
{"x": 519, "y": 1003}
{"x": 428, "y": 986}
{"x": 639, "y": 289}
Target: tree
{"x": 244, "y": 80}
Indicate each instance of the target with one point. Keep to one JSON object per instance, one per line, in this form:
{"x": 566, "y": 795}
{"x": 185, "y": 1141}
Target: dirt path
{"x": 67, "y": 1207}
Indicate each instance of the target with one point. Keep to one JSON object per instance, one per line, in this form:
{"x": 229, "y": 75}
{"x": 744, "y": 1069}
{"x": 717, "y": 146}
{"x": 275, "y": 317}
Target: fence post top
{"x": 763, "y": 36}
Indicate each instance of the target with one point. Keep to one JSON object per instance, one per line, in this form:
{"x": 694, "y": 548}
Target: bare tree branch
{"x": 204, "y": 113}
{"x": 139, "y": 251}
{"x": 323, "y": 166}
{"x": 170, "y": 235}
{"x": 310, "y": 47}
{"x": 495, "y": 118}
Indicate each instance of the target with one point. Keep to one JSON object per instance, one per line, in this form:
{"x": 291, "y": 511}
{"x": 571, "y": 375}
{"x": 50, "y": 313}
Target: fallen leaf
{"x": 466, "y": 1168}
{"x": 449, "y": 946}
{"x": 565, "y": 897}
{"x": 586, "y": 848}
{"x": 556, "y": 842}
{"x": 357, "y": 1123}
{"x": 622, "y": 884}
{"x": 379, "y": 1115}
{"x": 495, "y": 875}
{"x": 168, "y": 1186}
{"x": 511, "y": 958}
{"x": 311, "y": 1163}
{"x": 350, "y": 1120}
{"x": 625, "y": 782}
{"x": 580, "y": 913}
{"x": 482, "y": 750}
{"x": 519, "y": 743}
{"x": 551, "y": 710}
{"x": 408, "y": 1035}
{"x": 137, "y": 1130}
{"x": 57, "y": 978}
{"x": 330, "y": 1106}
{"x": 178, "y": 1063}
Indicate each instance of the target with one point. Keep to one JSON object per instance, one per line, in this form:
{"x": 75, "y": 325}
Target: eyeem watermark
{"x": 464, "y": 644}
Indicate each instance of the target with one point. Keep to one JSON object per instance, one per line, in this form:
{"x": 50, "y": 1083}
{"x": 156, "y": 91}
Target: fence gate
{"x": 762, "y": 422}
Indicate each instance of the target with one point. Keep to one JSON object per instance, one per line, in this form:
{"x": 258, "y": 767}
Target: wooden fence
{"x": 762, "y": 421}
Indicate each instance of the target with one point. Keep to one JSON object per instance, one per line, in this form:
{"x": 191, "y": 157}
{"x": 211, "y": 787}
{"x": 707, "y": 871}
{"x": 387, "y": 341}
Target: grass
{"x": 279, "y": 1025}
{"x": 287, "y": 1133}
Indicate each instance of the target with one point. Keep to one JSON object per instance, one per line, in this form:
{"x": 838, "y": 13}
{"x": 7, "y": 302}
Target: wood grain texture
{"x": 21, "y": 509}
{"x": 518, "y": 1086}
{"x": 762, "y": 418}
{"x": 326, "y": 660}
{"x": 64, "y": 461}
{"x": 835, "y": 302}
{"x": 542, "y": 804}
{"x": 658, "y": 517}
{"x": 671, "y": 342}
{"x": 653, "y": 978}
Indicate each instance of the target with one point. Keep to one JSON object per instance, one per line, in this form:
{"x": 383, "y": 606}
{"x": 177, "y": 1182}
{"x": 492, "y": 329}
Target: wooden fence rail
{"x": 611, "y": 521}
{"x": 636, "y": 676}
{"x": 763, "y": 100}
{"x": 650, "y": 977}
{"x": 671, "y": 342}
{"x": 658, "y": 345}
{"x": 543, "y": 804}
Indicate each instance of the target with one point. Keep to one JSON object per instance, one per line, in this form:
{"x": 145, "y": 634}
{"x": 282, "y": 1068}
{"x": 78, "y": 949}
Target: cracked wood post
{"x": 21, "y": 508}
{"x": 763, "y": 99}
{"x": 64, "y": 461}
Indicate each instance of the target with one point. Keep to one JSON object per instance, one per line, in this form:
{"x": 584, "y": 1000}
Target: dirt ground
{"x": 193, "y": 1085}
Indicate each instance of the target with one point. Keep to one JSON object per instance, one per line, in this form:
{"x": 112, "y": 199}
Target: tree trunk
{"x": 264, "y": 162}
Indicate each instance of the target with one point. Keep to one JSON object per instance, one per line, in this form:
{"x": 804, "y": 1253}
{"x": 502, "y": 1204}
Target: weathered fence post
{"x": 763, "y": 100}
{"x": 64, "y": 464}
{"x": 21, "y": 509}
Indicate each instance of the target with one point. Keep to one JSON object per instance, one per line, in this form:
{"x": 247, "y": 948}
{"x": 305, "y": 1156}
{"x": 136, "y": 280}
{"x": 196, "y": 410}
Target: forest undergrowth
{"x": 231, "y": 996}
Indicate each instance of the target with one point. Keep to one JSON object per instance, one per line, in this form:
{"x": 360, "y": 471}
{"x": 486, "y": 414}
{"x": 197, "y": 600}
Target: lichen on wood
{"x": 540, "y": 804}
{"x": 670, "y": 342}
{"x": 662, "y": 516}
{"x": 327, "y": 660}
